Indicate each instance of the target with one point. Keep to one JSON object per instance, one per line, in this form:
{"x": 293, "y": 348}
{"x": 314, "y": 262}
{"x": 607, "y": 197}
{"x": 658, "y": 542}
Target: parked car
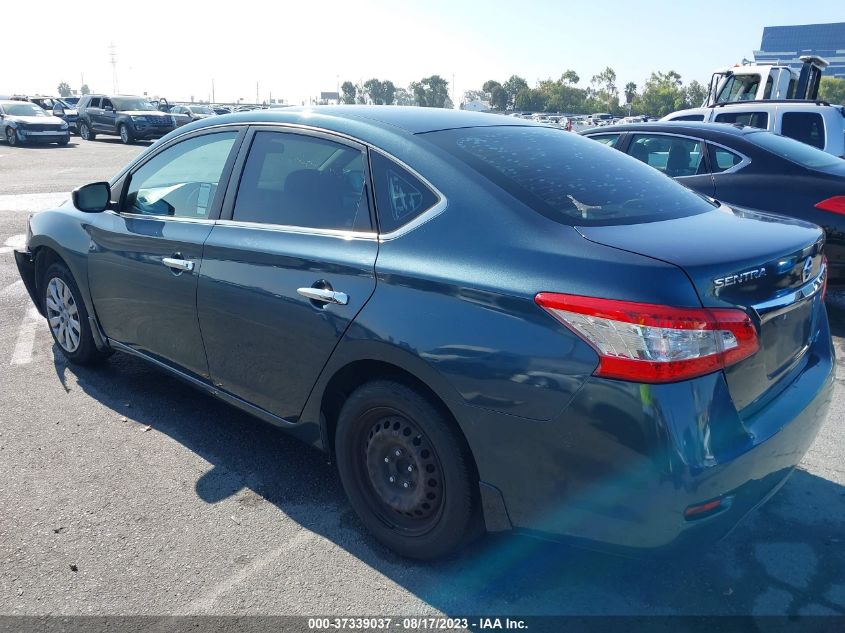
{"x": 24, "y": 122}
{"x": 815, "y": 123}
{"x": 59, "y": 108}
{"x": 747, "y": 167}
{"x": 71, "y": 101}
{"x": 130, "y": 118}
{"x": 608, "y": 357}
{"x": 221, "y": 109}
{"x": 193, "y": 112}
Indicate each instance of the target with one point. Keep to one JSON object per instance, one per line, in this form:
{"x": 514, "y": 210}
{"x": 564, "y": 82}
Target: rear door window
{"x": 675, "y": 156}
{"x": 807, "y": 127}
{"x": 752, "y": 119}
{"x": 400, "y": 196}
{"x": 95, "y": 102}
{"x": 722, "y": 159}
{"x": 303, "y": 181}
{"x": 688, "y": 117}
{"x": 568, "y": 178}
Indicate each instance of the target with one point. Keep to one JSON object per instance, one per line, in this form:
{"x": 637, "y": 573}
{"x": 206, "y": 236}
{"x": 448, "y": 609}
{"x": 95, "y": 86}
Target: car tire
{"x": 86, "y": 132}
{"x": 406, "y": 471}
{"x": 65, "y": 141}
{"x": 67, "y": 317}
{"x": 12, "y": 137}
{"x": 125, "y": 134}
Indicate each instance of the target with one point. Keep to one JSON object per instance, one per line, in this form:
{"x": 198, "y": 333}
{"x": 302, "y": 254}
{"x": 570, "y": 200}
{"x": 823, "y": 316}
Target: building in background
{"x": 785, "y": 44}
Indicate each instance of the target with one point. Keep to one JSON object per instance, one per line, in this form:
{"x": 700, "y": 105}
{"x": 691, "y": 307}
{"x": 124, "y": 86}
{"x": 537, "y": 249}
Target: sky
{"x": 294, "y": 50}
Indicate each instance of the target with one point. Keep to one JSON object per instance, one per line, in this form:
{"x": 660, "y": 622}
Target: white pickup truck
{"x": 813, "y": 122}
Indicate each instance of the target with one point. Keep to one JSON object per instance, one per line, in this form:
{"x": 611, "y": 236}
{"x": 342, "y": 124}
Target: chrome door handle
{"x": 324, "y": 296}
{"x": 177, "y": 263}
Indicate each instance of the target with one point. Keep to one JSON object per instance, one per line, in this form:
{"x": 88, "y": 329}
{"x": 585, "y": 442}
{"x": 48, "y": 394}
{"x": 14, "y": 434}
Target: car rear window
{"x": 794, "y": 151}
{"x": 569, "y": 178}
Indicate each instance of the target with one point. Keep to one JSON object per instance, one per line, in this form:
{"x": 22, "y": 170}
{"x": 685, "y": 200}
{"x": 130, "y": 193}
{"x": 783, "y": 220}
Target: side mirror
{"x": 93, "y": 198}
{"x": 108, "y": 109}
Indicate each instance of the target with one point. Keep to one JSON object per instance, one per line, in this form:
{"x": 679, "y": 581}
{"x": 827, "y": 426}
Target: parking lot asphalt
{"x": 124, "y": 491}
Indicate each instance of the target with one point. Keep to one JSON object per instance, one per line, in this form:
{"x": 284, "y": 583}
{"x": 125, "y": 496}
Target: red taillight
{"x": 645, "y": 342}
{"x": 836, "y": 204}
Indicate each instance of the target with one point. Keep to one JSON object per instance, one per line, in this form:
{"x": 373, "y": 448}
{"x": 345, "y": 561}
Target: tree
{"x": 474, "y": 95}
{"x": 832, "y": 90}
{"x": 373, "y": 89}
{"x": 347, "y": 91}
{"x": 570, "y": 77}
{"x": 403, "y": 97}
{"x": 431, "y": 92}
{"x": 85, "y": 89}
{"x": 64, "y": 89}
{"x": 605, "y": 91}
{"x": 388, "y": 92}
{"x": 512, "y": 87}
{"x": 630, "y": 92}
{"x": 663, "y": 93}
{"x": 696, "y": 94}
{"x": 496, "y": 94}
{"x": 530, "y": 99}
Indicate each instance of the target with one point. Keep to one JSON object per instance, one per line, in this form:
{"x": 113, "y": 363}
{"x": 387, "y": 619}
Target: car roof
{"x": 679, "y": 127}
{"x": 410, "y": 119}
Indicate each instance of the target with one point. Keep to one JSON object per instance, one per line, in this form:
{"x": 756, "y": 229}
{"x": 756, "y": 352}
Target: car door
{"x": 146, "y": 256}
{"x": 107, "y": 117}
{"x": 682, "y": 157}
{"x": 92, "y": 110}
{"x": 287, "y": 267}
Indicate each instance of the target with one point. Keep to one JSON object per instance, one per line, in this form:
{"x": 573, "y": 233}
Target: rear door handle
{"x": 324, "y": 296}
{"x": 177, "y": 263}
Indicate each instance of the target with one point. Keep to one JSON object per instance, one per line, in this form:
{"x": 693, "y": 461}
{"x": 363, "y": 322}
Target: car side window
{"x": 722, "y": 159}
{"x": 688, "y": 117}
{"x": 95, "y": 102}
{"x": 606, "y": 139}
{"x": 400, "y": 196}
{"x": 673, "y": 155}
{"x": 752, "y": 119}
{"x": 180, "y": 181}
{"x": 107, "y": 104}
{"x": 303, "y": 181}
{"x": 807, "y": 127}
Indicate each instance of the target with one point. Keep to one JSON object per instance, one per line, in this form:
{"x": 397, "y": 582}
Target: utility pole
{"x": 256, "y": 92}
{"x": 213, "y": 100}
{"x": 113, "y": 57}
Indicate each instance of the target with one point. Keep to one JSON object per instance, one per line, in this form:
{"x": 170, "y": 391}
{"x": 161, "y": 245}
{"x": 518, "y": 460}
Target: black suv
{"x": 130, "y": 118}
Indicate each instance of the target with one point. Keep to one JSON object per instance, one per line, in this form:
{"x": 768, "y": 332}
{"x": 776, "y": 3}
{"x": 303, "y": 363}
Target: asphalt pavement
{"x": 124, "y": 491}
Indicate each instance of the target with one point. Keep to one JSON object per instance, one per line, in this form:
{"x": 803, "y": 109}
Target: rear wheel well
{"x": 358, "y": 373}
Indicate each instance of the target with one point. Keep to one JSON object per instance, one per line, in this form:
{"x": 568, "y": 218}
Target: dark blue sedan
{"x": 747, "y": 167}
{"x": 488, "y": 323}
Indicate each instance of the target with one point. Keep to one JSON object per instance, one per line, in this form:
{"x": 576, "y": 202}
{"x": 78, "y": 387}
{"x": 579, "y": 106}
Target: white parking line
{"x": 16, "y": 241}
{"x": 26, "y": 337}
{"x": 14, "y": 289}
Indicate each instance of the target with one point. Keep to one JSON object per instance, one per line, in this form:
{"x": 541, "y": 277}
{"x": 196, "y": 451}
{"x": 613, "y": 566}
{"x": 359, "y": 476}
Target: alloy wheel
{"x": 63, "y": 315}
{"x": 11, "y": 136}
{"x": 124, "y": 134}
{"x": 84, "y": 132}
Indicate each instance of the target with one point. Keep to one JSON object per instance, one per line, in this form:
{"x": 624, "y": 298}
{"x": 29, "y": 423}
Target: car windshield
{"x": 202, "y": 110}
{"x": 23, "y": 109}
{"x": 794, "y": 151}
{"x": 132, "y": 103}
{"x": 569, "y": 178}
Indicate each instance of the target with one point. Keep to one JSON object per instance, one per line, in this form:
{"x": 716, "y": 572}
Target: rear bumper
{"x": 619, "y": 467}
{"x": 26, "y": 268}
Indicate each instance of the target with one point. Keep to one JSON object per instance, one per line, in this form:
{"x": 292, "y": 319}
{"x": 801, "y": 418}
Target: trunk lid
{"x": 768, "y": 266}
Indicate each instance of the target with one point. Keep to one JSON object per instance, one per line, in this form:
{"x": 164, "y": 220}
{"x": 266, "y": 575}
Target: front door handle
{"x": 324, "y": 296}
{"x": 177, "y": 263}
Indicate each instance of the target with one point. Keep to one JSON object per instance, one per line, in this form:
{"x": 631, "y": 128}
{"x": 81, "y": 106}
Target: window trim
{"x": 214, "y": 211}
{"x": 705, "y": 155}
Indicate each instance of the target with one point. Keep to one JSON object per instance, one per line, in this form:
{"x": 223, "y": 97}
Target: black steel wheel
{"x": 406, "y": 470}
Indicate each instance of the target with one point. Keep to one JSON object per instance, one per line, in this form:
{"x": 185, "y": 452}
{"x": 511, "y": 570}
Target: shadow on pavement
{"x": 787, "y": 558}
